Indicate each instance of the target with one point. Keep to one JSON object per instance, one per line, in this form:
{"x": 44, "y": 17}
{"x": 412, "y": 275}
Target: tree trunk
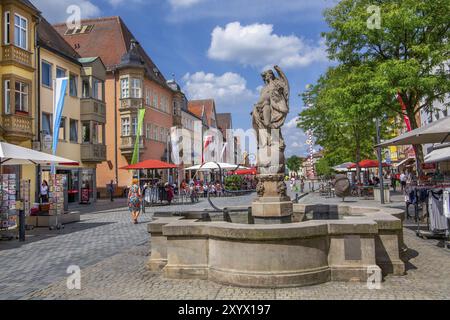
{"x": 418, "y": 150}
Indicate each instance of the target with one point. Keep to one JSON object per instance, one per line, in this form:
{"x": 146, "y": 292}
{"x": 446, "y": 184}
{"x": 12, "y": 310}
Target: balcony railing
{"x": 93, "y": 110}
{"x": 127, "y": 144}
{"x": 13, "y": 54}
{"x": 130, "y": 104}
{"x": 19, "y": 127}
{"x": 93, "y": 152}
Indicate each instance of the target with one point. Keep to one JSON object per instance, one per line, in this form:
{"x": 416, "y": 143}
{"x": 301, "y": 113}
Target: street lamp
{"x": 380, "y": 159}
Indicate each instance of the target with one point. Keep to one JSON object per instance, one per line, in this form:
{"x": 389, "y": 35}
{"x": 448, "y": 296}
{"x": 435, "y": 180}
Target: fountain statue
{"x": 273, "y": 205}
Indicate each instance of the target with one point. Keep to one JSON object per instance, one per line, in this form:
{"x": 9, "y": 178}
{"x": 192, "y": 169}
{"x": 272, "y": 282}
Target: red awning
{"x": 244, "y": 172}
{"x": 368, "y": 164}
{"x": 150, "y": 164}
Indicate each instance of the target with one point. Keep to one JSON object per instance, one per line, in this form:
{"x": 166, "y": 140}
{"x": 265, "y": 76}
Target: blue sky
{"x": 217, "y": 49}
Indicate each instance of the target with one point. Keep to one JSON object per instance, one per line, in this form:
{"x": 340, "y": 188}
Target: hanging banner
{"x": 141, "y": 115}
{"x": 59, "y": 95}
{"x": 175, "y": 141}
{"x": 208, "y": 141}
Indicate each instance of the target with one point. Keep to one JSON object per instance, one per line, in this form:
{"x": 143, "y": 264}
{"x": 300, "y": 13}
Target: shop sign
{"x": 428, "y": 166}
{"x": 47, "y": 143}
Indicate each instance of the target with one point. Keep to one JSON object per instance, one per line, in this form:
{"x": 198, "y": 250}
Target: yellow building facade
{"x": 18, "y": 78}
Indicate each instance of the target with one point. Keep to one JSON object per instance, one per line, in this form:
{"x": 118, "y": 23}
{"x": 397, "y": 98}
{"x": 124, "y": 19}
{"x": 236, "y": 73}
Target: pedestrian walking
{"x": 134, "y": 200}
{"x": 111, "y": 190}
{"x": 44, "y": 192}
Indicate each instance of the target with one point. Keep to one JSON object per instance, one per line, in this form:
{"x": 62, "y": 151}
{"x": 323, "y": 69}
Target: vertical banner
{"x": 175, "y": 142}
{"x": 208, "y": 140}
{"x": 59, "y": 95}
{"x": 223, "y": 157}
{"x": 141, "y": 115}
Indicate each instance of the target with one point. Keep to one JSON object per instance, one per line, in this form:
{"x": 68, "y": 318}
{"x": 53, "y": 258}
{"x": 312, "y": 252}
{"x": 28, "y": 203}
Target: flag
{"x": 222, "y": 154}
{"x": 59, "y": 95}
{"x": 141, "y": 115}
{"x": 175, "y": 141}
{"x": 208, "y": 141}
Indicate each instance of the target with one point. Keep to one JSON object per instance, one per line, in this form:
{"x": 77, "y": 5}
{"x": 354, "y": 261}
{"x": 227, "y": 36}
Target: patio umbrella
{"x": 11, "y": 154}
{"x": 435, "y": 132}
{"x": 368, "y": 164}
{"x": 150, "y": 164}
{"x": 343, "y": 167}
{"x": 216, "y": 166}
{"x": 243, "y": 172}
{"x": 439, "y": 154}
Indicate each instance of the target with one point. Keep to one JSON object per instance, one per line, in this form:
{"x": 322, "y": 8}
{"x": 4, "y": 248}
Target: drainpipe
{"x": 38, "y": 107}
{"x": 116, "y": 160}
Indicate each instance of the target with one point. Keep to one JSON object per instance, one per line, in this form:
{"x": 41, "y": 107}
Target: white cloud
{"x": 303, "y": 11}
{"x": 295, "y": 139}
{"x": 256, "y": 45}
{"x": 56, "y": 11}
{"x": 117, "y": 3}
{"x": 178, "y": 4}
{"x": 228, "y": 90}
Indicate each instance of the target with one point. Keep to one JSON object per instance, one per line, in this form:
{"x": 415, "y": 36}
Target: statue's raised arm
{"x": 284, "y": 80}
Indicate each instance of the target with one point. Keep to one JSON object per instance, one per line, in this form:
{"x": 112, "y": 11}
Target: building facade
{"x": 133, "y": 82}
{"x": 19, "y": 19}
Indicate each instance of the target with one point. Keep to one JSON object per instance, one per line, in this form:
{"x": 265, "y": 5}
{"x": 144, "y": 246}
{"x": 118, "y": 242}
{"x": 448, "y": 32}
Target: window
{"x": 7, "y": 96}
{"x": 125, "y": 127}
{"x": 155, "y": 100}
{"x": 20, "y": 31}
{"x": 155, "y": 133}
{"x": 162, "y": 134}
{"x": 124, "y": 85}
{"x": 86, "y": 88}
{"x": 60, "y": 73}
{"x": 62, "y": 129}
{"x": 148, "y": 131}
{"x": 136, "y": 88}
{"x": 175, "y": 108}
{"x": 86, "y": 130}
{"x": 73, "y": 131}
{"x": 95, "y": 133}
{"x": 46, "y": 74}
{"x": 73, "y": 83}
{"x": 97, "y": 89}
{"x": 147, "y": 97}
{"x": 7, "y": 27}
{"x": 46, "y": 124}
{"x": 21, "y": 96}
{"x": 134, "y": 126}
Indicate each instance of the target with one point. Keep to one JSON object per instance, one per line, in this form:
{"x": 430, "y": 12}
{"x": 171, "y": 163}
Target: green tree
{"x": 294, "y": 163}
{"x": 323, "y": 168}
{"x": 342, "y": 112}
{"x": 407, "y": 55}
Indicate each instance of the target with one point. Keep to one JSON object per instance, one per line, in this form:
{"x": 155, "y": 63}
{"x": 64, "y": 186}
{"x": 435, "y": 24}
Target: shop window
{"x": 73, "y": 131}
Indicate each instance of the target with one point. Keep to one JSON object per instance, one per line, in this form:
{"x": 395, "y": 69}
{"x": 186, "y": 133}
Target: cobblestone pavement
{"x": 112, "y": 253}
{"x": 124, "y": 276}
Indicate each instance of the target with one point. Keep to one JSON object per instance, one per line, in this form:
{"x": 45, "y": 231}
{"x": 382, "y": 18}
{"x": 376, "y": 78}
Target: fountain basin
{"x": 362, "y": 242}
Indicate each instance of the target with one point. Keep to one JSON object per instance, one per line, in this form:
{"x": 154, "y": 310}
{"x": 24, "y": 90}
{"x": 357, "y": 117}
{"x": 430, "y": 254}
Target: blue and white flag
{"x": 59, "y": 95}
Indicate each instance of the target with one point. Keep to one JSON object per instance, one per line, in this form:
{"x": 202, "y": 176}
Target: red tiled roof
{"x": 207, "y": 106}
{"x": 110, "y": 39}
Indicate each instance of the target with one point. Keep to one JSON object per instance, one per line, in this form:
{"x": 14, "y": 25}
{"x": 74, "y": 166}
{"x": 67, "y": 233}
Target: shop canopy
{"x": 216, "y": 166}
{"x": 435, "y": 132}
{"x": 368, "y": 164}
{"x": 244, "y": 172}
{"x": 150, "y": 164}
{"x": 11, "y": 154}
{"x": 439, "y": 154}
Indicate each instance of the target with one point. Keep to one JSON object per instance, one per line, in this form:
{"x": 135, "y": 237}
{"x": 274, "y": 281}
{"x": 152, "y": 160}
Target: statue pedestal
{"x": 272, "y": 206}
{"x": 272, "y": 210}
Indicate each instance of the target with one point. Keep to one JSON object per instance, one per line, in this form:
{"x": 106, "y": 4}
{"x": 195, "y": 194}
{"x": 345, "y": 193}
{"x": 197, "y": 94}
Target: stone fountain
{"x": 289, "y": 244}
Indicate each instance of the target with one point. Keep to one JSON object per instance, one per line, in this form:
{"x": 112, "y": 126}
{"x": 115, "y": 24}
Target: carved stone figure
{"x": 268, "y": 116}
{"x": 273, "y": 205}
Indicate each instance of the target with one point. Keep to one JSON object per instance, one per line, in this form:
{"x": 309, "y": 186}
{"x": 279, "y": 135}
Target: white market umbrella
{"x": 208, "y": 166}
{"x": 438, "y": 155}
{"x": 11, "y": 154}
{"x": 435, "y": 132}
